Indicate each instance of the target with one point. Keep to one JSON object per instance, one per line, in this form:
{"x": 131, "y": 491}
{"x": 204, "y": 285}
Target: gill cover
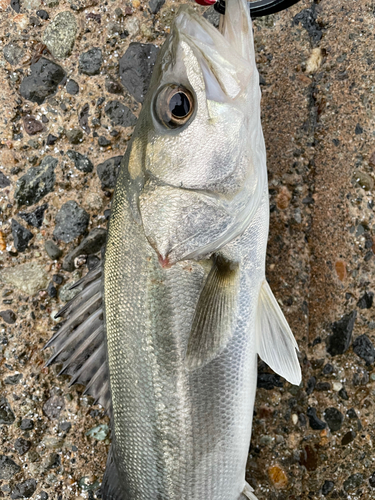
{"x": 198, "y": 176}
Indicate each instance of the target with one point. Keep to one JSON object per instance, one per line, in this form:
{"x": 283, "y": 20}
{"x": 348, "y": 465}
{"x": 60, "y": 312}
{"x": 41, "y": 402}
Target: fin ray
{"x": 80, "y": 342}
{"x": 215, "y": 314}
{"x": 275, "y": 341}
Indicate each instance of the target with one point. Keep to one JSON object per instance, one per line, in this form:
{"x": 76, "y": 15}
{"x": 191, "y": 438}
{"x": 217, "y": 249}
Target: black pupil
{"x": 179, "y": 105}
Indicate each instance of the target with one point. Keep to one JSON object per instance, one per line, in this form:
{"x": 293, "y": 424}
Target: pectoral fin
{"x": 215, "y": 314}
{"x": 247, "y": 493}
{"x": 275, "y": 341}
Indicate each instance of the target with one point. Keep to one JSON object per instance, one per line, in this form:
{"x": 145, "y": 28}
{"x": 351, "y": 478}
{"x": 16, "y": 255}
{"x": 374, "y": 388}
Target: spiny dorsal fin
{"x": 80, "y": 342}
{"x": 215, "y": 314}
{"x": 275, "y": 341}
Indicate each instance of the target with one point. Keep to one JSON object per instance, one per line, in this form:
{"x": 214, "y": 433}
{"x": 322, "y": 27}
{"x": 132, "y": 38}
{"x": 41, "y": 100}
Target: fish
{"x": 166, "y": 333}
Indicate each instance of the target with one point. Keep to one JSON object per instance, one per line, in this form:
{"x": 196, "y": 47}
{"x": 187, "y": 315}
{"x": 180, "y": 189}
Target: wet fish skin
{"x": 182, "y": 413}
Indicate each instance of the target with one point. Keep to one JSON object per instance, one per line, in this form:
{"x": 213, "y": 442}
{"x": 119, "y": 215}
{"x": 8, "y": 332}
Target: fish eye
{"x": 174, "y": 105}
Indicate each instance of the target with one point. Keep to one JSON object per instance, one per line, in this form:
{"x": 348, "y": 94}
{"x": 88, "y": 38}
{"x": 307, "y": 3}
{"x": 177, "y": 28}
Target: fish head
{"x": 197, "y": 157}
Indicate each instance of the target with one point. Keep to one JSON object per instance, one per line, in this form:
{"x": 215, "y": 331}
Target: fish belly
{"x": 177, "y": 434}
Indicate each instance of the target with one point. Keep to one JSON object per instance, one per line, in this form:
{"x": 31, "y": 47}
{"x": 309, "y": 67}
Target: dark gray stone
{"x": 108, "y": 171}
{"x": 120, "y": 114}
{"x": 103, "y": 141}
{"x": 24, "y": 490}
{"x": 22, "y": 446}
{"x": 90, "y": 62}
{"x": 52, "y": 290}
{"x": 155, "y": 5}
{"x": 341, "y": 337}
{"x": 65, "y": 426}
{"x": 89, "y": 245}
{"x": 364, "y": 348}
{"x": 354, "y": 481}
{"x": 112, "y": 86}
{"x": 13, "y": 53}
{"x": 6, "y": 415}
{"x": 36, "y": 183}
{"x": 43, "y": 81}
{"x": 4, "y": 181}
{"x": 365, "y": 302}
{"x": 72, "y": 87}
{"x": 327, "y": 487}
{"x": 314, "y": 421}
{"x": 13, "y": 379}
{"x": 8, "y": 468}
{"x": 26, "y": 424}
{"x": 135, "y": 68}
{"x": 334, "y": 418}
{"x": 21, "y": 236}
{"x": 36, "y": 217}
{"x": 8, "y": 316}
{"x": 53, "y": 407}
{"x": 80, "y": 161}
{"x": 71, "y": 222}
{"x": 268, "y": 381}
{"x": 53, "y": 251}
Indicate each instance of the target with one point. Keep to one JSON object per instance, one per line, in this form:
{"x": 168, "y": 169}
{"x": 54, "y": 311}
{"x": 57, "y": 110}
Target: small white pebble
{"x": 295, "y": 419}
{"x": 337, "y": 386}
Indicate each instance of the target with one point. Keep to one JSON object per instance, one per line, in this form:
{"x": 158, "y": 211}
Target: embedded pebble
{"x": 36, "y": 183}
{"x": 6, "y": 414}
{"x": 21, "y": 236}
{"x": 13, "y": 53}
{"x": 89, "y": 245}
{"x": 29, "y": 277}
{"x": 36, "y": 217}
{"x": 22, "y": 446}
{"x": 364, "y": 348}
{"x": 25, "y": 489}
{"x": 99, "y": 432}
{"x": 155, "y": 5}
{"x": 90, "y": 62}
{"x": 53, "y": 251}
{"x": 314, "y": 421}
{"x": 53, "y": 407}
{"x": 354, "y": 481}
{"x": 120, "y": 114}
{"x": 341, "y": 337}
{"x": 43, "y": 81}
{"x": 60, "y": 34}
{"x": 8, "y": 468}
{"x": 278, "y": 477}
{"x": 71, "y": 222}
{"x": 334, "y": 418}
{"x": 108, "y": 171}
{"x": 72, "y": 87}
{"x": 135, "y": 68}
{"x": 81, "y": 162}
{"x": 8, "y": 316}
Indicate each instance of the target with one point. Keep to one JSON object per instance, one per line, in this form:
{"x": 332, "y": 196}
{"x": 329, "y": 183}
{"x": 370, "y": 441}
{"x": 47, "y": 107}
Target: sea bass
{"x": 166, "y": 334}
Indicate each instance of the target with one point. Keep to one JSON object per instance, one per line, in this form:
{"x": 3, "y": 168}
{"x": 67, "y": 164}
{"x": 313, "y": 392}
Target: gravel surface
{"x": 73, "y": 76}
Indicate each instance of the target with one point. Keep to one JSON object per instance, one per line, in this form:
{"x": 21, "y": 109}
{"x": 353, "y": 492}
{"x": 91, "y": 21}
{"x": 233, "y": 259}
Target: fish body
{"x": 170, "y": 329}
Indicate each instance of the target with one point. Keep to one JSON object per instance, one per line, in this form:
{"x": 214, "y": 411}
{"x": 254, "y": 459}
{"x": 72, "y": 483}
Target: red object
{"x": 205, "y": 2}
